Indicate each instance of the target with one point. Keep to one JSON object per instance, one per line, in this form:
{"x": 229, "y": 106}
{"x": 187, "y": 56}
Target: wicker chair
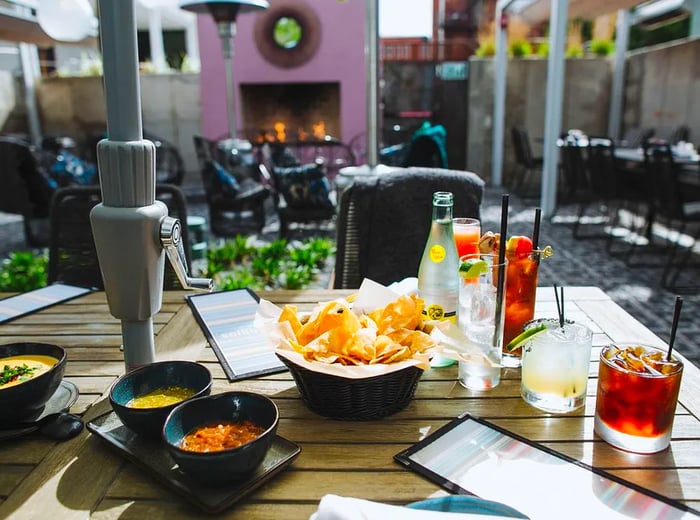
{"x": 72, "y": 253}
{"x": 230, "y": 214}
{"x": 384, "y": 221}
{"x": 26, "y": 189}
{"x": 320, "y": 206}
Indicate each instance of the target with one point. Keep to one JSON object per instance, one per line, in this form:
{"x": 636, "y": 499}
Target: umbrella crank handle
{"x": 171, "y": 240}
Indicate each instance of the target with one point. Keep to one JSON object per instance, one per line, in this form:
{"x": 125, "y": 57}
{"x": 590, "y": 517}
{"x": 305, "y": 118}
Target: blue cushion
{"x": 225, "y": 181}
{"x": 69, "y": 169}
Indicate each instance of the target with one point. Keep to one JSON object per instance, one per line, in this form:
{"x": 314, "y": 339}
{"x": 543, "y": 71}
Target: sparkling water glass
{"x": 480, "y": 316}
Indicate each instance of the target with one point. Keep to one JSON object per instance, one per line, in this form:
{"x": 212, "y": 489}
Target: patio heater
{"x": 131, "y": 228}
{"x": 224, "y": 13}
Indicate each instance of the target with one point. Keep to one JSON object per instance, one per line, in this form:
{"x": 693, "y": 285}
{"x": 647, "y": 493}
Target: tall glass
{"x": 521, "y": 288}
{"x": 467, "y": 233}
{"x": 555, "y": 366}
{"x": 637, "y": 397}
{"x": 480, "y": 317}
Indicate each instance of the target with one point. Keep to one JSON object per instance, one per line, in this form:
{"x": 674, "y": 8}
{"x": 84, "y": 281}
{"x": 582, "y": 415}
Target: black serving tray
{"x": 154, "y": 459}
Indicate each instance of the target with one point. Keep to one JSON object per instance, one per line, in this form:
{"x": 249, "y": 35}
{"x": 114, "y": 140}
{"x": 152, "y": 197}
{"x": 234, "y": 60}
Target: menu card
{"x": 472, "y": 456}
{"x": 227, "y": 320}
{"x": 22, "y": 304}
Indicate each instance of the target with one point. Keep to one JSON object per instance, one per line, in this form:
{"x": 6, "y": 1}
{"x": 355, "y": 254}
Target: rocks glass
{"x": 481, "y": 316}
{"x": 555, "y": 365}
{"x": 637, "y": 397}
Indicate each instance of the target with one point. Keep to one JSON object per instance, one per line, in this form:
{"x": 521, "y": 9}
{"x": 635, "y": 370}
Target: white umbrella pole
{"x": 126, "y": 224}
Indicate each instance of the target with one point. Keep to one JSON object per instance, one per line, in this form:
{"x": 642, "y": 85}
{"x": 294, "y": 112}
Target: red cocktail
{"x": 521, "y": 288}
{"x": 637, "y": 397}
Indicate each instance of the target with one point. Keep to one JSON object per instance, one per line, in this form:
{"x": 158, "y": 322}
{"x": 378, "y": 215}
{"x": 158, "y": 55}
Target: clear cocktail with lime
{"x": 555, "y": 363}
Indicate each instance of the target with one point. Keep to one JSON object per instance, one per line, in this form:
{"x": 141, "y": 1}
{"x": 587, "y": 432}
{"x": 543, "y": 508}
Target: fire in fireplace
{"x": 284, "y": 112}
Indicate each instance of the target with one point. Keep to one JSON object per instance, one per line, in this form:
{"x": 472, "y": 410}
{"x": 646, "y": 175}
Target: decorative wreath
{"x": 310, "y": 34}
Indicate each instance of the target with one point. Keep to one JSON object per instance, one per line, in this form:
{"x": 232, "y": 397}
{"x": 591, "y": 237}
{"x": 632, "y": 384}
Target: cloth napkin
{"x": 334, "y": 507}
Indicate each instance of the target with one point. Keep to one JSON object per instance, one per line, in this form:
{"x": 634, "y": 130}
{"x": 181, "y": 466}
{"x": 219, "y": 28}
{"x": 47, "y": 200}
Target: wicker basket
{"x": 355, "y": 399}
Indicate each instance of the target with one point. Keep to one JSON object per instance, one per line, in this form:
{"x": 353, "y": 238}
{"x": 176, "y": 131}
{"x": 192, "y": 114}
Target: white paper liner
{"x": 451, "y": 342}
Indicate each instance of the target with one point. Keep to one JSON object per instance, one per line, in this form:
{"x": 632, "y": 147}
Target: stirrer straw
{"x": 560, "y": 304}
{"x": 501, "y": 259}
{"x": 674, "y": 325}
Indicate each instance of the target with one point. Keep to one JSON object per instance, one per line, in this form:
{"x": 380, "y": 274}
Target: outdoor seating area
{"x": 271, "y": 259}
{"x": 645, "y": 198}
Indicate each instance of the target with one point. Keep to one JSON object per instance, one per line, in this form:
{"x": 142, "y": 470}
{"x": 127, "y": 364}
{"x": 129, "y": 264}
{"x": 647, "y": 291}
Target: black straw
{"x": 501, "y": 260}
{"x": 560, "y": 304}
{"x": 674, "y": 326}
{"x": 536, "y": 233}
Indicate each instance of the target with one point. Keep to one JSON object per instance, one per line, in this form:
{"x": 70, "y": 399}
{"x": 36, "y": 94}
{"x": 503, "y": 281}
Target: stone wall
{"x": 585, "y": 106}
{"x": 661, "y": 90}
{"x": 170, "y": 108}
{"x": 663, "y": 87}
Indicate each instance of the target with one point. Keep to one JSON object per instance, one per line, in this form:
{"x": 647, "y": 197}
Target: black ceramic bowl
{"x": 227, "y": 465}
{"x": 148, "y": 422}
{"x": 28, "y": 397}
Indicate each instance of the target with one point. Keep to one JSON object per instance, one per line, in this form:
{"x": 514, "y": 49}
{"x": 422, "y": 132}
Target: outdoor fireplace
{"x": 288, "y": 112}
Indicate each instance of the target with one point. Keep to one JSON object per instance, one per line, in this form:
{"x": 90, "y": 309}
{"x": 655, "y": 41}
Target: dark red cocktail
{"x": 637, "y": 397}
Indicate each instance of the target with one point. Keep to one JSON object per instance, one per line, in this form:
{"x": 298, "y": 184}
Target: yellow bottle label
{"x": 435, "y": 311}
{"x": 437, "y": 253}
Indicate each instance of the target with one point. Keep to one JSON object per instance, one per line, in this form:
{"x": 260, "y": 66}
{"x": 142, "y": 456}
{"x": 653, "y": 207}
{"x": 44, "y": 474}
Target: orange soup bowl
{"x": 157, "y": 380}
{"x": 32, "y": 373}
{"x": 236, "y": 427}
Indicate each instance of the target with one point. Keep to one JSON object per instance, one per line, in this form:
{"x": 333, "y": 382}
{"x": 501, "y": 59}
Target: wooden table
{"x": 86, "y": 478}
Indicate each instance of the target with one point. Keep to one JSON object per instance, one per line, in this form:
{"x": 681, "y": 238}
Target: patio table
{"x": 84, "y": 477}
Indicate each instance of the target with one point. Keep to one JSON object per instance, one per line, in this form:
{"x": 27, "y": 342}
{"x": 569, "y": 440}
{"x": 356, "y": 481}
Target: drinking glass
{"x": 555, "y": 366}
{"x": 480, "y": 316}
{"x": 637, "y": 397}
{"x": 467, "y": 233}
{"x": 521, "y": 289}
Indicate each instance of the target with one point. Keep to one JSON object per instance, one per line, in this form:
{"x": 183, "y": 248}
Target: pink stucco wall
{"x": 340, "y": 57}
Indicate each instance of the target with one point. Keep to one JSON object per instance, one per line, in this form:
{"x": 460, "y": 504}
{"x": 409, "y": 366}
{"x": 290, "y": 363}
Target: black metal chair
{"x": 575, "y": 185}
{"x": 235, "y": 206}
{"x": 524, "y": 158}
{"x": 635, "y": 137}
{"x": 72, "y": 253}
{"x": 672, "y": 134}
{"x": 384, "y": 221}
{"x": 675, "y": 202}
{"x": 26, "y": 189}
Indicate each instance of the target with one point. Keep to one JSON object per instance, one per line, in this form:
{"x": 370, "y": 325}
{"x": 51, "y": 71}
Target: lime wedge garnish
{"x": 521, "y": 338}
{"x": 472, "y": 268}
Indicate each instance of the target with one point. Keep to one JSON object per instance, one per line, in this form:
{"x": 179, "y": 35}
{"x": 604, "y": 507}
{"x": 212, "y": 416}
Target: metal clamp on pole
{"x": 171, "y": 240}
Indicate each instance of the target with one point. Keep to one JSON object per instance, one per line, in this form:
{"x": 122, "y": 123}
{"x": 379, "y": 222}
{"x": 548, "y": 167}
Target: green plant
{"x": 543, "y": 49}
{"x": 279, "y": 264}
{"x": 486, "y": 48}
{"x": 224, "y": 258}
{"x": 602, "y": 47}
{"x": 520, "y": 48}
{"x": 574, "y": 51}
{"x": 23, "y": 271}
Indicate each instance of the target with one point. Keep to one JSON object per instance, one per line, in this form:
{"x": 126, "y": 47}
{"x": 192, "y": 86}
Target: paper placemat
{"x": 22, "y": 304}
{"x": 227, "y": 320}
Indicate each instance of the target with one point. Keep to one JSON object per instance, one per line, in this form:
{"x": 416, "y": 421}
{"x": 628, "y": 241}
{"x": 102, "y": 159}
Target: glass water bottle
{"x": 438, "y": 274}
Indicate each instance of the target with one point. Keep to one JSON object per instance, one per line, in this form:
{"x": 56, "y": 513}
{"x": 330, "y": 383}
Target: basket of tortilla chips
{"x": 356, "y": 365}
